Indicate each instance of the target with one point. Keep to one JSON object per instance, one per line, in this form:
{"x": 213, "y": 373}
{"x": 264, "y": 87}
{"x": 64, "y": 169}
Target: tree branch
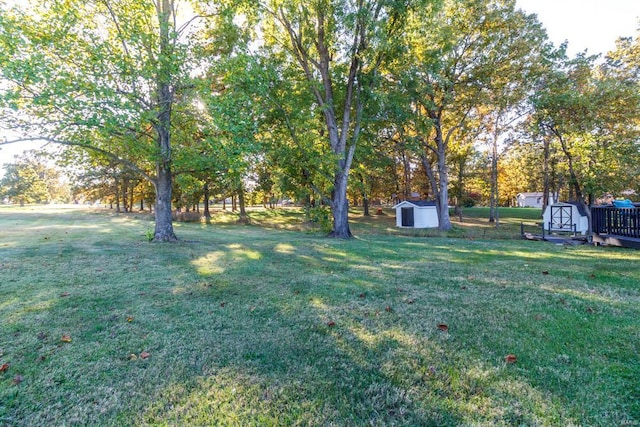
{"x": 128, "y": 164}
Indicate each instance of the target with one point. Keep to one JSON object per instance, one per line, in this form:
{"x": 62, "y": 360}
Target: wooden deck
{"x": 616, "y": 226}
{"x": 555, "y": 238}
{"x": 613, "y": 240}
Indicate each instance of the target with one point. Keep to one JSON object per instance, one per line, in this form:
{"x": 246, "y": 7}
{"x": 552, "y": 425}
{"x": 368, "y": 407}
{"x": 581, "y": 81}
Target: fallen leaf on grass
{"x": 132, "y": 357}
{"x": 388, "y": 309}
{"x": 510, "y": 358}
{"x": 590, "y": 310}
{"x": 66, "y": 338}
{"x": 361, "y": 295}
{"x": 145, "y": 355}
{"x": 410, "y": 301}
{"x": 331, "y": 324}
{"x": 545, "y": 272}
{"x": 443, "y": 327}
{"x": 64, "y": 294}
{"x": 222, "y": 304}
{"x": 17, "y": 379}
{"x": 130, "y": 319}
{"x": 4, "y": 367}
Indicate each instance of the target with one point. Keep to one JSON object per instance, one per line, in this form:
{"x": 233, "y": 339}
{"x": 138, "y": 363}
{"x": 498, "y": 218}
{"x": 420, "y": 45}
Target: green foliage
{"x": 591, "y": 112}
{"x": 335, "y": 52}
{"x": 467, "y": 68}
{"x": 320, "y": 216}
{"x": 279, "y": 94}
{"x": 103, "y": 76}
{"x": 467, "y": 202}
{"x": 30, "y": 180}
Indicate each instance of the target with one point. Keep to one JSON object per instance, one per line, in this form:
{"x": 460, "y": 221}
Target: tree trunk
{"x": 125, "y": 195}
{"x": 365, "y": 204}
{"x": 243, "y": 219}
{"x": 442, "y": 196}
{"x": 365, "y": 197}
{"x": 575, "y": 183}
{"x": 494, "y": 216}
{"x": 164, "y": 224}
{"x": 165, "y": 98}
{"x": 546, "y": 188}
{"x": 493, "y": 202}
{"x": 407, "y": 174}
{"x": 461, "y": 164}
{"x": 439, "y": 186}
{"x": 340, "y": 207}
{"x": 205, "y": 190}
{"x": 131, "y": 195}
{"x": 117, "y": 194}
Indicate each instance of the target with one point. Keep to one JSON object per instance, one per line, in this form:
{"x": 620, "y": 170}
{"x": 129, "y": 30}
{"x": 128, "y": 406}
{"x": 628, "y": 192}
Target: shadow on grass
{"x": 252, "y": 327}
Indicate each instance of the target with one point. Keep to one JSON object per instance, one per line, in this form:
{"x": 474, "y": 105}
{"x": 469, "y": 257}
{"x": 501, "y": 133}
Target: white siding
{"x": 581, "y": 222}
{"x": 423, "y": 216}
{"x": 530, "y": 200}
{"x": 426, "y": 217}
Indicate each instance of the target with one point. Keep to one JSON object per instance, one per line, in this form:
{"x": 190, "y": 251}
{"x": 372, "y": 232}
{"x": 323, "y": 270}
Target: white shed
{"x": 561, "y": 216}
{"x": 530, "y": 200}
{"x": 416, "y": 214}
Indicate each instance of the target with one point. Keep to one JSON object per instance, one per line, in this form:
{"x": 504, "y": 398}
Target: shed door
{"x": 407, "y": 217}
{"x": 561, "y": 217}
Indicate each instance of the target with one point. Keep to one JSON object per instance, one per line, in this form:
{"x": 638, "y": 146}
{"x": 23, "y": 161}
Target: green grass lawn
{"x": 274, "y": 324}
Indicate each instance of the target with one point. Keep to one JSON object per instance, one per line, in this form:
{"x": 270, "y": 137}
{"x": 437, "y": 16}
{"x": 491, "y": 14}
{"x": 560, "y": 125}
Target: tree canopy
{"x": 324, "y": 102}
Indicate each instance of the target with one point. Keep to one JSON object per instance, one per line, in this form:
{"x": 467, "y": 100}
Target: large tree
{"x": 462, "y": 59}
{"x": 339, "y": 47}
{"x": 102, "y": 75}
{"x": 28, "y": 179}
{"x": 592, "y": 111}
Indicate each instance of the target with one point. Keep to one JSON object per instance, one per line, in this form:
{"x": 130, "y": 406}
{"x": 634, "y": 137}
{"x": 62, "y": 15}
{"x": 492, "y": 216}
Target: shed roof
{"x": 531, "y": 194}
{"x": 417, "y": 203}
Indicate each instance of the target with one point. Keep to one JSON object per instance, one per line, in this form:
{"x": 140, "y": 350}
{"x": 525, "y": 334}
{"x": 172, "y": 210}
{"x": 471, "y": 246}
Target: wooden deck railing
{"x": 609, "y": 220}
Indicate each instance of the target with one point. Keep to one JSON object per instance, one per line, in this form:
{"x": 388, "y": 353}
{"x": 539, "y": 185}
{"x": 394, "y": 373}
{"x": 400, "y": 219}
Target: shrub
{"x": 321, "y": 216}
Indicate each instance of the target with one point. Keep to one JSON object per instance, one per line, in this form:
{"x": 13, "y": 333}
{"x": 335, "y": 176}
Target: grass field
{"x": 273, "y": 324}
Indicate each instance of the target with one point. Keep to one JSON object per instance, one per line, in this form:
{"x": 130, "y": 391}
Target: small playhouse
{"x": 565, "y": 217}
{"x": 416, "y": 214}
